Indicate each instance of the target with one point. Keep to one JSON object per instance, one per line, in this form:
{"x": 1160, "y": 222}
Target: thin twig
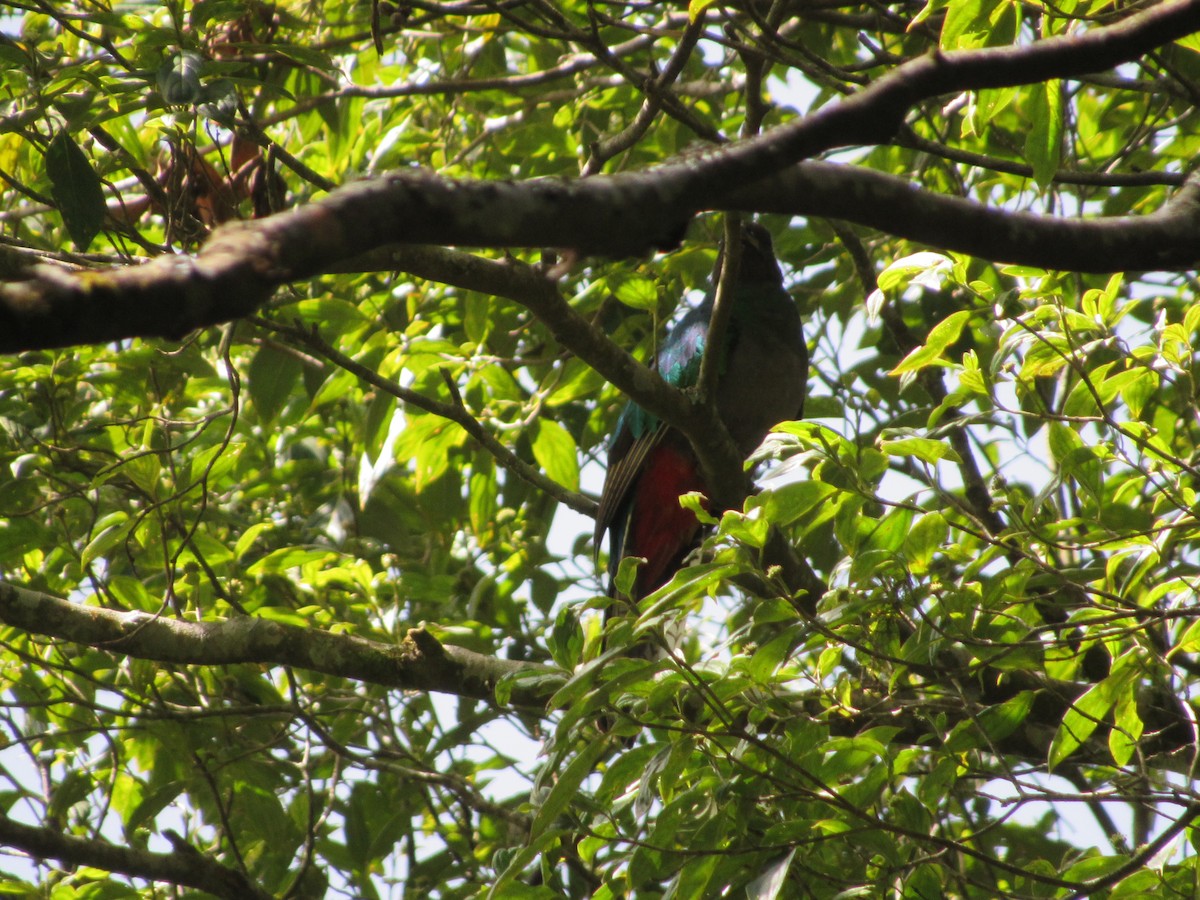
{"x": 454, "y": 412}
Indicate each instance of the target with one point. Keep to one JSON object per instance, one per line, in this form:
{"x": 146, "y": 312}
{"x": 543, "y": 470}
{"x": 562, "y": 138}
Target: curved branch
{"x": 421, "y": 663}
{"x": 452, "y": 412}
{"x": 624, "y": 214}
{"x": 418, "y": 663}
{"x": 185, "y": 866}
{"x": 530, "y": 288}
{"x": 1163, "y": 240}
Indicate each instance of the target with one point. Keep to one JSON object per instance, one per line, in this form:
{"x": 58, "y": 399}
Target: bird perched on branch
{"x": 761, "y": 379}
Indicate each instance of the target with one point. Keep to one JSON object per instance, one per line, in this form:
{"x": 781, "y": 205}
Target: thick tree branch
{"x": 421, "y": 663}
{"x": 241, "y": 266}
{"x": 418, "y": 663}
{"x": 1162, "y": 240}
{"x": 621, "y": 215}
{"x": 186, "y": 866}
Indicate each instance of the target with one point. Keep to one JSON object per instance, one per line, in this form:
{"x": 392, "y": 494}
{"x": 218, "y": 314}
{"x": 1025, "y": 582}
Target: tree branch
{"x": 453, "y": 412}
{"x": 1162, "y": 240}
{"x": 421, "y": 663}
{"x": 185, "y": 866}
{"x": 624, "y": 214}
{"x": 604, "y": 150}
{"x": 418, "y": 663}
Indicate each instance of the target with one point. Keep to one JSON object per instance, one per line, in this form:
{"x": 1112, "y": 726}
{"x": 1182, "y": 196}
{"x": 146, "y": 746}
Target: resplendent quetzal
{"x": 761, "y": 381}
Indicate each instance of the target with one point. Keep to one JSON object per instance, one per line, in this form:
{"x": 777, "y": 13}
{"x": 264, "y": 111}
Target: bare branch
{"x": 418, "y": 663}
{"x": 630, "y": 213}
{"x": 421, "y": 663}
{"x": 185, "y": 866}
{"x": 1163, "y": 240}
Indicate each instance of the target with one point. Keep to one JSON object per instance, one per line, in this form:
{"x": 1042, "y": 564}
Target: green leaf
{"x": 1076, "y": 459}
{"x": 272, "y": 379}
{"x": 871, "y": 465}
{"x": 1094, "y": 867}
{"x": 566, "y": 786}
{"x": 752, "y": 531}
{"x": 143, "y": 469}
{"x": 149, "y": 806}
{"x": 627, "y": 770}
{"x": 131, "y": 593}
{"x": 998, "y": 722}
{"x": 988, "y": 105}
{"x": 247, "y": 538}
{"x": 925, "y": 267}
{"x": 686, "y": 585}
{"x": 767, "y": 658}
{"x": 434, "y": 454}
{"x": 639, "y": 293}
{"x": 924, "y": 449}
{"x": 110, "y": 531}
{"x": 1127, "y": 728}
{"x": 1191, "y": 42}
{"x": 965, "y": 24}
{"x": 482, "y": 500}
{"x": 931, "y": 6}
{"x": 789, "y": 502}
{"x": 288, "y": 558}
{"x": 533, "y": 683}
{"x": 1043, "y": 142}
{"x": 1138, "y": 391}
{"x": 76, "y": 190}
{"x": 1090, "y": 710}
{"x": 514, "y": 863}
{"x": 943, "y": 334}
{"x": 330, "y": 313}
{"x": 926, "y": 537}
{"x": 556, "y": 453}
{"x": 694, "y": 878}
{"x": 626, "y": 577}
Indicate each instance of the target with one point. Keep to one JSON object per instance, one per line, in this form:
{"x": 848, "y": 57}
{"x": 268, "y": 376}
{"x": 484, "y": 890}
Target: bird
{"x": 761, "y": 381}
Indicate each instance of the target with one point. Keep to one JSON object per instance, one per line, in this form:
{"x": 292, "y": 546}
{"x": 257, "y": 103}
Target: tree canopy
{"x": 317, "y": 316}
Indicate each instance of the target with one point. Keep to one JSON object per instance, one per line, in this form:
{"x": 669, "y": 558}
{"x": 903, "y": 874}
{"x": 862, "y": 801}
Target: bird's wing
{"x": 638, "y": 432}
{"x": 625, "y": 463}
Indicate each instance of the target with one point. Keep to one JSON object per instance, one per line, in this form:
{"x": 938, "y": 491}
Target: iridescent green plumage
{"x": 761, "y": 381}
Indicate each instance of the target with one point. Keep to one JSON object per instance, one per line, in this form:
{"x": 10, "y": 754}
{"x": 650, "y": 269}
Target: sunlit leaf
{"x": 940, "y": 337}
{"x": 924, "y": 449}
{"x": 1043, "y": 142}
{"x": 555, "y": 451}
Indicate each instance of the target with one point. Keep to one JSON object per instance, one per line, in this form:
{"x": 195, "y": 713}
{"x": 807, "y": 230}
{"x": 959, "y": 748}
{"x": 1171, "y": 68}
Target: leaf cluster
{"x": 983, "y": 687}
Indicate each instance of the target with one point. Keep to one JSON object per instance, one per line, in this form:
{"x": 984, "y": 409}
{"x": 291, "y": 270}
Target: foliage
{"x": 995, "y": 481}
